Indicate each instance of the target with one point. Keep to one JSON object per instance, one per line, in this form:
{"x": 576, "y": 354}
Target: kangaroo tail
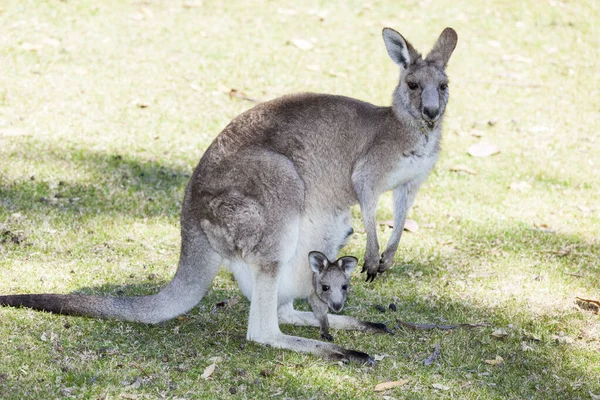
{"x": 198, "y": 265}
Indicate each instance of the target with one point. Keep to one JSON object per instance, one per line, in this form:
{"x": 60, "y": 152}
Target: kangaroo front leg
{"x": 368, "y": 209}
{"x": 403, "y": 198}
{"x": 263, "y": 326}
{"x": 320, "y": 312}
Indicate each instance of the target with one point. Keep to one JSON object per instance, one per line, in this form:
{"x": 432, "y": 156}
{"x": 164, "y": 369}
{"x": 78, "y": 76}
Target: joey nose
{"x": 430, "y": 112}
{"x": 337, "y": 307}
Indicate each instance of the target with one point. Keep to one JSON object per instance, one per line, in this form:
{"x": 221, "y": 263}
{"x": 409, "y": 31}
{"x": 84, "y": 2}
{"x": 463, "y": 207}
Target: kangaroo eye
{"x": 325, "y": 288}
{"x": 345, "y": 287}
{"x": 443, "y": 86}
{"x": 412, "y": 85}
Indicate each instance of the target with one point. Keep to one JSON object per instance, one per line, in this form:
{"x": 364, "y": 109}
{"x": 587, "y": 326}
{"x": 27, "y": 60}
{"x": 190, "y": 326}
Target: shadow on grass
{"x": 106, "y": 184}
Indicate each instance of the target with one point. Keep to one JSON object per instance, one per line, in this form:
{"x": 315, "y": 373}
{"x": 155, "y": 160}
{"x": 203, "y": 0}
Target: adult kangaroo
{"x": 277, "y": 183}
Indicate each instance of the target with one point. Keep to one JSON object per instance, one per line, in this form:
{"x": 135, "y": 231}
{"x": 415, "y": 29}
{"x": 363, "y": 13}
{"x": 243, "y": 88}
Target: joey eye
{"x": 344, "y": 287}
{"x": 412, "y": 85}
{"x": 443, "y": 86}
{"x": 325, "y": 288}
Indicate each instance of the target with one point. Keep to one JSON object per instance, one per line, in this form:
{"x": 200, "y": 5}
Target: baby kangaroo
{"x": 278, "y": 182}
{"x": 330, "y": 282}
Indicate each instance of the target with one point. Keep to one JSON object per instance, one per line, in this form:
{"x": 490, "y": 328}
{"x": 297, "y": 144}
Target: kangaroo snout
{"x": 431, "y": 113}
{"x": 337, "y": 307}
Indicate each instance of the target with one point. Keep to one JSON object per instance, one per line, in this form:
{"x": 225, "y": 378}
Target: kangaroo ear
{"x": 347, "y": 264}
{"x": 443, "y": 48}
{"x": 399, "y": 49}
{"x": 318, "y": 261}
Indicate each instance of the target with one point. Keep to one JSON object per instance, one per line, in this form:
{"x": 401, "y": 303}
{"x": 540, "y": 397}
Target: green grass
{"x": 106, "y": 107}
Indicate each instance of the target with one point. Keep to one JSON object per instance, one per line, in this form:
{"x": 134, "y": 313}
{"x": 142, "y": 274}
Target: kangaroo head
{"x": 423, "y": 88}
{"x": 332, "y": 278}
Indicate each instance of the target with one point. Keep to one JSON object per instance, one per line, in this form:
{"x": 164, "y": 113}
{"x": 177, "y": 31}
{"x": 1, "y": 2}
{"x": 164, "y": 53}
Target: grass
{"x": 106, "y": 107}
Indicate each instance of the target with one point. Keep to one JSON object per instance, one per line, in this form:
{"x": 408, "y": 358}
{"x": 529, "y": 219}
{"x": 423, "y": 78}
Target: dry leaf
{"x": 379, "y": 357}
{"x": 388, "y": 222}
{"x": 483, "y": 149}
{"x": 463, "y": 168}
{"x": 302, "y": 44}
{"x": 500, "y": 333}
{"x": 208, "y": 371}
{"x": 497, "y": 361}
{"x": 411, "y": 225}
{"x": 520, "y": 186}
{"x": 439, "y": 386}
{"x": 380, "y": 387}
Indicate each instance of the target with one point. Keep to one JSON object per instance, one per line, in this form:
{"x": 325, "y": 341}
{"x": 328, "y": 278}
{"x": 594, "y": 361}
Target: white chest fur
{"x": 413, "y": 165}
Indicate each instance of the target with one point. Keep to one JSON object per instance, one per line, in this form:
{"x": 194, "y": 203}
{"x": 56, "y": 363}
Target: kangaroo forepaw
{"x": 327, "y": 337}
{"x": 378, "y": 328}
{"x": 371, "y": 266}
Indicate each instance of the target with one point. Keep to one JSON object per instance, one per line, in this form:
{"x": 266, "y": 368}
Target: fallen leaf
{"x": 302, "y": 44}
{"x": 411, "y": 226}
{"x": 520, "y": 186}
{"x": 436, "y": 352}
{"x": 463, "y": 168}
{"x": 380, "y": 387}
{"x": 439, "y": 386}
{"x": 483, "y": 149}
{"x": 379, "y": 357}
{"x": 497, "y": 361}
{"x": 500, "y": 333}
{"x": 208, "y": 371}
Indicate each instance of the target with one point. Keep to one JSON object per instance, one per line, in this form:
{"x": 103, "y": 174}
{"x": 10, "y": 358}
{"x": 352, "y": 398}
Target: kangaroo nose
{"x": 337, "y": 307}
{"x": 430, "y": 112}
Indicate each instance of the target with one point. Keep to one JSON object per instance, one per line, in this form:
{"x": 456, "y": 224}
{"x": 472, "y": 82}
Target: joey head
{"x": 331, "y": 281}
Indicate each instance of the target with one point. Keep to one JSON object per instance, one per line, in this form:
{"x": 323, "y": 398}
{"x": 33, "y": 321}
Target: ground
{"x": 106, "y": 107}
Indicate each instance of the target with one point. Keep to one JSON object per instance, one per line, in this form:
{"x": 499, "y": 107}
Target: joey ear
{"x": 318, "y": 261}
{"x": 399, "y": 49}
{"x": 347, "y": 263}
{"x": 443, "y": 48}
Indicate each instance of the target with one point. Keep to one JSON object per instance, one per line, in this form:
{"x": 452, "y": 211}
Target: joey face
{"x": 332, "y": 287}
{"x": 332, "y": 279}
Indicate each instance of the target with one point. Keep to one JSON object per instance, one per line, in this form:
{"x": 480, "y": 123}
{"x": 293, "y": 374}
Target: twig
{"x": 425, "y": 327}
{"x": 141, "y": 369}
{"x": 596, "y": 302}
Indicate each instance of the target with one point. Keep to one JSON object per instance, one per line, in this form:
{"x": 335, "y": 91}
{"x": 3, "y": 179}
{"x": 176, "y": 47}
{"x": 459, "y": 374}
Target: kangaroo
{"x": 278, "y": 182}
{"x": 330, "y": 284}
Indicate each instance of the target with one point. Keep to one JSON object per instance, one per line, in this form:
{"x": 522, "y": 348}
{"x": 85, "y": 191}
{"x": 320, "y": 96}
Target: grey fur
{"x": 278, "y": 182}
{"x": 331, "y": 281}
